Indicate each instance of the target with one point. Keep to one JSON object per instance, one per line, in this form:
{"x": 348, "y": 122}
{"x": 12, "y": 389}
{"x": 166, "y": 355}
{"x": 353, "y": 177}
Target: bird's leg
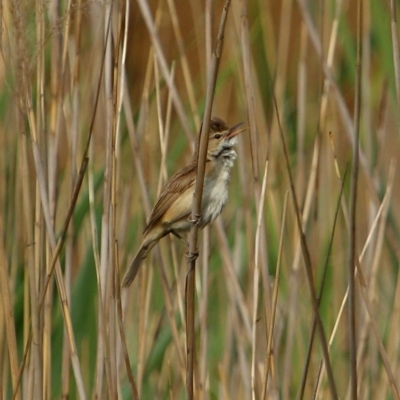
{"x": 190, "y": 257}
{"x": 176, "y": 234}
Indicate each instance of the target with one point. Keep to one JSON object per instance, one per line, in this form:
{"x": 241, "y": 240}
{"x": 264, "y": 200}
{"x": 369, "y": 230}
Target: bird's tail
{"x": 133, "y": 268}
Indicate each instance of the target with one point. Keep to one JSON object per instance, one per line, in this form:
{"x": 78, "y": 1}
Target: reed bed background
{"x": 100, "y": 103}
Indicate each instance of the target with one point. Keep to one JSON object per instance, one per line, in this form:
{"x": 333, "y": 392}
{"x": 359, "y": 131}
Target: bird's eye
{"x": 217, "y": 136}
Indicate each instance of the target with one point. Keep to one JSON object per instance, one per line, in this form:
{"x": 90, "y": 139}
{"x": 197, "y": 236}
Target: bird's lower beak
{"x": 235, "y": 130}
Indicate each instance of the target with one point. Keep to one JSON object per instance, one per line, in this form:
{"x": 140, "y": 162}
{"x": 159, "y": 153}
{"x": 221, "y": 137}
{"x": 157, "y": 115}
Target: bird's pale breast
{"x": 215, "y": 192}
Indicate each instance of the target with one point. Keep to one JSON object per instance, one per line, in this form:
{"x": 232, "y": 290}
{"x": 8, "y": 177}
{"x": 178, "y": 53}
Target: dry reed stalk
{"x": 107, "y": 256}
{"x": 7, "y": 301}
{"x": 65, "y": 307}
{"x": 255, "y": 154}
{"x": 144, "y": 8}
{"x": 295, "y": 269}
{"x": 163, "y": 143}
{"x": 144, "y": 317}
{"x": 367, "y": 291}
{"x": 98, "y": 250}
{"x": 329, "y": 61}
{"x": 342, "y": 108}
{"x": 133, "y": 133}
{"x": 230, "y": 376}
{"x": 208, "y": 23}
{"x": 44, "y": 199}
{"x": 315, "y": 40}
{"x": 270, "y": 346}
{"x": 187, "y": 76}
{"x": 117, "y": 91}
{"x": 162, "y": 130}
{"x": 171, "y": 314}
{"x": 256, "y": 278}
{"x": 253, "y": 100}
{"x": 56, "y": 251}
{"x": 359, "y": 259}
{"x": 301, "y": 111}
{"x": 35, "y": 373}
{"x": 377, "y": 255}
{"x": 196, "y": 205}
{"x": 122, "y": 351}
{"x": 385, "y": 359}
{"x": 396, "y": 49}
{"x": 178, "y": 277}
{"x": 393, "y": 347}
{"x": 145, "y": 284}
{"x": 341, "y": 105}
{"x": 238, "y": 315}
{"x": 247, "y": 71}
{"x": 234, "y": 288}
{"x": 203, "y": 316}
{"x": 320, "y": 294}
{"x": 368, "y": 242}
{"x": 322, "y": 117}
{"x": 307, "y": 262}
{"x": 224, "y": 367}
{"x": 280, "y": 69}
{"x": 352, "y": 214}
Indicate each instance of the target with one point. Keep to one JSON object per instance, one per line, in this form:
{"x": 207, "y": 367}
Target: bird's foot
{"x": 195, "y": 219}
{"x": 191, "y": 256}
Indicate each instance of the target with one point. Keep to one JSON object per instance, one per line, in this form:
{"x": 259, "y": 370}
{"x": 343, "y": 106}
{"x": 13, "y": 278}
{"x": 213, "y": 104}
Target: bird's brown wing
{"x": 170, "y": 192}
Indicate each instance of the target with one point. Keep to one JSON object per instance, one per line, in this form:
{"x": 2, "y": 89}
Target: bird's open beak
{"x": 235, "y": 130}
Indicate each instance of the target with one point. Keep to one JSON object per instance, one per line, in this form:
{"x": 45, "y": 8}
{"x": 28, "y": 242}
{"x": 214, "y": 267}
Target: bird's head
{"x": 222, "y": 137}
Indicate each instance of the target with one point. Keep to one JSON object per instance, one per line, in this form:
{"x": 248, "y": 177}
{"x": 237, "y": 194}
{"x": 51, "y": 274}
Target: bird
{"x": 172, "y": 211}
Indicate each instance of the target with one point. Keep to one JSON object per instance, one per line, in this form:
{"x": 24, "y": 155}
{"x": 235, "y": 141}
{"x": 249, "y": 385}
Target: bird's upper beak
{"x": 235, "y": 130}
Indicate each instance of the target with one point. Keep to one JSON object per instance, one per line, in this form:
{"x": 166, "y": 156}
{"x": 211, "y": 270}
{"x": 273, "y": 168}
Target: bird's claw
{"x": 195, "y": 219}
{"x": 191, "y": 256}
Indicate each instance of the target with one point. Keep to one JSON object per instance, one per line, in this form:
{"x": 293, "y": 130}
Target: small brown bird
{"x": 172, "y": 211}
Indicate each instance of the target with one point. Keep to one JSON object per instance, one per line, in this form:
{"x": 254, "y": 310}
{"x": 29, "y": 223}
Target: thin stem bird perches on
{"x": 196, "y": 205}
